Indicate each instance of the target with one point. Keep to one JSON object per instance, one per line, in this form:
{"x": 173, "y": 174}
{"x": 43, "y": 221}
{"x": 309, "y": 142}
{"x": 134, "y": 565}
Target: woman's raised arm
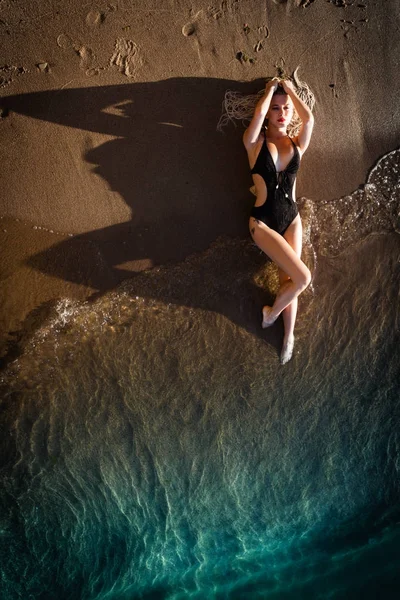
{"x": 251, "y": 134}
{"x": 305, "y": 114}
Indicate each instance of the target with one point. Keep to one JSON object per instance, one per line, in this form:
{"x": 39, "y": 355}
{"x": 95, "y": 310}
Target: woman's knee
{"x": 304, "y": 278}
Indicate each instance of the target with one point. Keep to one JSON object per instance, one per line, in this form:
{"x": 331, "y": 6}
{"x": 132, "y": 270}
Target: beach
{"x": 153, "y": 446}
{"x": 86, "y": 119}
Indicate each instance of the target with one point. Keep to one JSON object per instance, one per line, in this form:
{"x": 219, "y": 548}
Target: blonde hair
{"x": 238, "y": 107}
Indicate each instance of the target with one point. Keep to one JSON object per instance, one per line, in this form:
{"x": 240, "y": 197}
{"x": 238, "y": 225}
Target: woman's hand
{"x": 287, "y": 85}
{"x": 272, "y": 85}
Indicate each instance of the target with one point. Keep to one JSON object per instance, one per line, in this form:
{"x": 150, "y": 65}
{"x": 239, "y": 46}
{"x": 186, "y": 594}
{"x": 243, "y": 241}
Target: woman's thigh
{"x": 294, "y": 237}
{"x": 278, "y": 249}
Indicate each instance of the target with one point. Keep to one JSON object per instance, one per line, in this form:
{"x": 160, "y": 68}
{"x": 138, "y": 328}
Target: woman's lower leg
{"x": 289, "y": 319}
{"x": 288, "y": 292}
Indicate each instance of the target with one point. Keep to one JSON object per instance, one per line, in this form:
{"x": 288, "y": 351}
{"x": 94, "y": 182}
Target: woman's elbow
{"x": 245, "y": 138}
{"x": 309, "y": 119}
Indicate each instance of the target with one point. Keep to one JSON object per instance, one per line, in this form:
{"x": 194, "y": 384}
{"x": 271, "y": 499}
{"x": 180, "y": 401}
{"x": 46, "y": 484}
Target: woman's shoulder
{"x": 255, "y": 146}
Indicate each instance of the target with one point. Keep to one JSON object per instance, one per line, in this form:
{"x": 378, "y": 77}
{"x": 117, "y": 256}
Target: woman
{"x": 275, "y": 223}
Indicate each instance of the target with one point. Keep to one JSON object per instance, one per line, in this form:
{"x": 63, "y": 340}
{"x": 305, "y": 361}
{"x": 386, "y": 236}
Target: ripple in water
{"x": 153, "y": 446}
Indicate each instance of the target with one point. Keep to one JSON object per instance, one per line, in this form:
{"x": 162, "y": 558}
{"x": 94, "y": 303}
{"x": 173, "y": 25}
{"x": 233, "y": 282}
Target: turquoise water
{"x": 153, "y": 447}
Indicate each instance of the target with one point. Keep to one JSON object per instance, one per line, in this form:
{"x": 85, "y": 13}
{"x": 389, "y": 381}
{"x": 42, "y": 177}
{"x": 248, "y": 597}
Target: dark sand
{"x": 111, "y": 162}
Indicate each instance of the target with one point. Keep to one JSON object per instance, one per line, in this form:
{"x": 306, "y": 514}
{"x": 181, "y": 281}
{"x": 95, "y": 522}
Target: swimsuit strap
{"x": 265, "y": 141}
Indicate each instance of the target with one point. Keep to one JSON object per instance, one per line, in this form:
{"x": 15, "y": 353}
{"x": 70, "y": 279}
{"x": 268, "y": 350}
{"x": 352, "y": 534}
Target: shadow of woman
{"x": 180, "y": 178}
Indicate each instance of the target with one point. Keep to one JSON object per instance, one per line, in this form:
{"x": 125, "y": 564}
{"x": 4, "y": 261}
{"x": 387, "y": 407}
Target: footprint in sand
{"x": 127, "y": 57}
{"x": 95, "y": 18}
{"x": 188, "y": 29}
{"x": 204, "y": 14}
{"x": 8, "y": 72}
{"x": 94, "y": 71}
{"x": 64, "y": 41}
{"x": 264, "y": 31}
{"x": 304, "y": 3}
{"x": 86, "y": 54}
{"x": 215, "y": 13}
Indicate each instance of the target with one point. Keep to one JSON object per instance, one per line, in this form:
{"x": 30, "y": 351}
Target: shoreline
{"x": 109, "y": 117}
{"x": 37, "y": 274}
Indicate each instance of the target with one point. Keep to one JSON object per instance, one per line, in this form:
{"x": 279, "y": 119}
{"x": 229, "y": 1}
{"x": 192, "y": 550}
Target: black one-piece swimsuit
{"x": 279, "y": 209}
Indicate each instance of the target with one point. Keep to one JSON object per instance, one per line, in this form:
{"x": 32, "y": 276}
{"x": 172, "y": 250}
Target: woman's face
{"x": 280, "y": 112}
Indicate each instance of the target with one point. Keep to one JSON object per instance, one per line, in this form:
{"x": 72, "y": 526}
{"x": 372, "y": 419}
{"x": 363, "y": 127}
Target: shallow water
{"x": 153, "y": 446}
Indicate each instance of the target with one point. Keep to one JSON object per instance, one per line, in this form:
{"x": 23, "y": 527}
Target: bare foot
{"x": 287, "y": 350}
{"x": 268, "y": 319}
